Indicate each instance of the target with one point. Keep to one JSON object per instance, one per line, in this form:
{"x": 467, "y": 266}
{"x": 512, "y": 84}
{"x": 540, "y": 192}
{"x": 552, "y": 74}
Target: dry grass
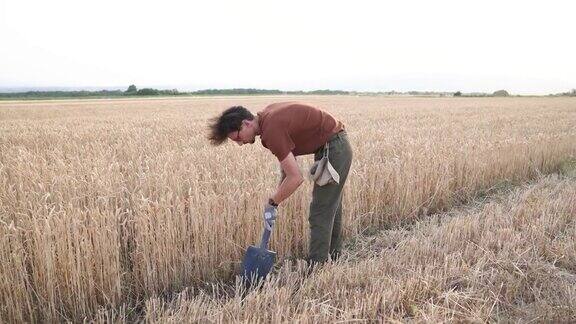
{"x": 512, "y": 259}
{"x": 107, "y": 203}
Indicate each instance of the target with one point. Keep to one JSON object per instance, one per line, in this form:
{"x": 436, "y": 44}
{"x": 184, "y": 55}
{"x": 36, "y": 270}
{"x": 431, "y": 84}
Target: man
{"x": 289, "y": 129}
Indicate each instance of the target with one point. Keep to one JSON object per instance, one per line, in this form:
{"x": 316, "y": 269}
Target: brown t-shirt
{"x": 295, "y": 127}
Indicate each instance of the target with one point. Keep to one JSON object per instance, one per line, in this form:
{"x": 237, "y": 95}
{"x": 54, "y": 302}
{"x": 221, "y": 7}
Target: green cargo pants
{"x": 325, "y": 216}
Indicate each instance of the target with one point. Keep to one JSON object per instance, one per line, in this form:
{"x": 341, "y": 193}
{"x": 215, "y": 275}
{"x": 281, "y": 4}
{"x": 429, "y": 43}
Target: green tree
{"x": 457, "y": 94}
{"x": 501, "y": 93}
{"x": 148, "y": 92}
{"x": 132, "y": 88}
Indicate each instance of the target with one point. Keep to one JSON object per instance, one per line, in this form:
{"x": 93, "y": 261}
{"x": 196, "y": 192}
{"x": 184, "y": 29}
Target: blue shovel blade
{"x": 257, "y": 263}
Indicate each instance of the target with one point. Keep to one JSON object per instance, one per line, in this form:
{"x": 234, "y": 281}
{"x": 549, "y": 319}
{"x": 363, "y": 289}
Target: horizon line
{"x": 16, "y": 89}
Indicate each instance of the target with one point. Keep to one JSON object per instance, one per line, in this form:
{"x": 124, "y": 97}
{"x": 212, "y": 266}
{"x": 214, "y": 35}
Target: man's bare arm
{"x": 282, "y": 176}
{"x": 292, "y": 180}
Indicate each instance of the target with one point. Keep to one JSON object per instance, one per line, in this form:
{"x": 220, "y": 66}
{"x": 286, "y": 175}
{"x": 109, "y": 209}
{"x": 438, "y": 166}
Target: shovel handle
{"x": 265, "y": 239}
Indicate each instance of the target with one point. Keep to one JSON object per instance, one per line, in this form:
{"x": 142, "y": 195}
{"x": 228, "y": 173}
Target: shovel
{"x": 258, "y": 260}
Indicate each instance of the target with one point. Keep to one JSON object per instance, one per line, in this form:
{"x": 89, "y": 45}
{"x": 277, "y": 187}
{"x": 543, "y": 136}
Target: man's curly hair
{"x": 230, "y": 120}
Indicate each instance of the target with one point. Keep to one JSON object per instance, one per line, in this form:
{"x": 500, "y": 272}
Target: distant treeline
{"x": 264, "y": 91}
{"x": 61, "y": 94}
{"x": 207, "y": 92}
{"x": 571, "y": 93}
{"x": 89, "y": 94}
{"x": 133, "y": 91}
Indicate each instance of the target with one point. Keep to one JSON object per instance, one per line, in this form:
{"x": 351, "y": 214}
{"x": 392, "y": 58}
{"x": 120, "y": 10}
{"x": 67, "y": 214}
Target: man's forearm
{"x": 282, "y": 176}
{"x": 287, "y": 188}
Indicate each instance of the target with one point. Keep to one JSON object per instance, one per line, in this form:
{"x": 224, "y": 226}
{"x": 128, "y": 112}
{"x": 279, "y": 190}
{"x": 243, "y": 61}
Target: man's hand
{"x": 270, "y": 213}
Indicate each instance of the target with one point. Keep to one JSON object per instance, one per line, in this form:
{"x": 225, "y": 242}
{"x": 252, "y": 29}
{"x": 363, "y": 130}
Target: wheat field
{"x": 120, "y": 210}
{"x": 511, "y": 259}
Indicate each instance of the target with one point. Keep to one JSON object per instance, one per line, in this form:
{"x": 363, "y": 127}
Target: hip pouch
{"x": 322, "y": 172}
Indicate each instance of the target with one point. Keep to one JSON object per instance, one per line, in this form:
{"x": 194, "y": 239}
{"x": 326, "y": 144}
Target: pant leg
{"x": 321, "y": 219}
{"x": 325, "y": 208}
{"x": 336, "y": 240}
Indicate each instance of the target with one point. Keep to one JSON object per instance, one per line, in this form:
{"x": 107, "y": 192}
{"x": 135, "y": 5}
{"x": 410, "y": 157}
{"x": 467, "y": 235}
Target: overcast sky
{"x": 526, "y": 47}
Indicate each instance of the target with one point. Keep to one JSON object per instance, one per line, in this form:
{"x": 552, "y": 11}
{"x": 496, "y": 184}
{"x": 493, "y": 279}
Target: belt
{"x": 337, "y": 135}
{"x": 340, "y": 134}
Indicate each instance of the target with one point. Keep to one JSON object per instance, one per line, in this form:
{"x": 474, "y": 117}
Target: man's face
{"x": 245, "y": 135}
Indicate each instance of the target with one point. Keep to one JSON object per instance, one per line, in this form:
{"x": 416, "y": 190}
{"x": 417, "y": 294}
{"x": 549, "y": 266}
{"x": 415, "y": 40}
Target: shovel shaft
{"x": 265, "y": 239}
